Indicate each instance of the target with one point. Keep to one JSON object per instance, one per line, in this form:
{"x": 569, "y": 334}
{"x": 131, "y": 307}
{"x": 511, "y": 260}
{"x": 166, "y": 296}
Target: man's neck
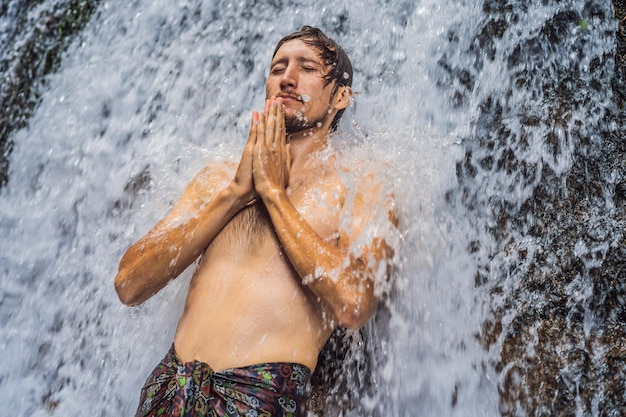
{"x": 305, "y": 143}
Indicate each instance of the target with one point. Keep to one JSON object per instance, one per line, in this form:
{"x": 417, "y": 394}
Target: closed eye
{"x": 277, "y": 70}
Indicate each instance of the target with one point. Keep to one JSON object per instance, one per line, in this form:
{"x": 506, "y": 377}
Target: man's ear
{"x": 342, "y": 98}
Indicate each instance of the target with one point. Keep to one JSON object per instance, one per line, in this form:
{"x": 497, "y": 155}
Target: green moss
{"x": 78, "y": 14}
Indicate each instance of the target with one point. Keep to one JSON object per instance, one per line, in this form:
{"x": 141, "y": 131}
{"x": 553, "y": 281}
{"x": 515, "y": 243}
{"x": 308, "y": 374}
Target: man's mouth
{"x": 290, "y": 97}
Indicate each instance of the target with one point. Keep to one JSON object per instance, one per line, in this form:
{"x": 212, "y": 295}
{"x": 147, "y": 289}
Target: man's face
{"x": 296, "y": 75}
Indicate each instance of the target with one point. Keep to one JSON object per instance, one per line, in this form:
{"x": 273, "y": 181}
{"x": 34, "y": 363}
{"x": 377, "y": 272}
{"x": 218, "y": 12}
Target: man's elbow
{"x": 353, "y": 317}
{"x": 125, "y": 292}
{"x": 351, "y": 322}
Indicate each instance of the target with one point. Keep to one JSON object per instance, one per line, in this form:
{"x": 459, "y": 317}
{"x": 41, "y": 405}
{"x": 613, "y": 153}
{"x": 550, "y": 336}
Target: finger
{"x": 270, "y": 132}
{"x": 260, "y": 137}
{"x": 256, "y": 149}
{"x": 253, "y": 130}
{"x": 249, "y": 147}
{"x": 266, "y": 108}
{"x": 264, "y": 115}
{"x": 288, "y": 161}
{"x": 280, "y": 123}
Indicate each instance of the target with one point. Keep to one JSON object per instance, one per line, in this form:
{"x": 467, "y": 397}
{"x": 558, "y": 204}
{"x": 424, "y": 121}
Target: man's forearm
{"x": 342, "y": 283}
{"x": 171, "y": 246}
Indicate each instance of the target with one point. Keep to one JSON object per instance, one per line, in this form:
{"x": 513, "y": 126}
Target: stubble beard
{"x": 298, "y": 122}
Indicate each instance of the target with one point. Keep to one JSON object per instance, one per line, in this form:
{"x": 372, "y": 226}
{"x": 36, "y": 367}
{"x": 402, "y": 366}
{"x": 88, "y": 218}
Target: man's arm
{"x": 341, "y": 278}
{"x": 178, "y": 239}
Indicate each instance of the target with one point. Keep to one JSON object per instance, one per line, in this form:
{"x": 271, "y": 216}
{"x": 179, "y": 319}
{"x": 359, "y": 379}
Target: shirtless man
{"x": 276, "y": 274}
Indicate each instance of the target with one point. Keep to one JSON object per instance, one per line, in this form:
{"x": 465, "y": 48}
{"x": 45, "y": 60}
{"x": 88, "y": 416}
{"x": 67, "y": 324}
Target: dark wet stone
{"x": 562, "y": 350}
{"x": 25, "y": 64}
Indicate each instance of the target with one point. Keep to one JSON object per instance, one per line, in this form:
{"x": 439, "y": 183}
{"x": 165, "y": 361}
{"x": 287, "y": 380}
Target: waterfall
{"x": 503, "y": 140}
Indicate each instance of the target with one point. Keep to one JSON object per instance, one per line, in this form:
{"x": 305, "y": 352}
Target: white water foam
{"x": 153, "y": 90}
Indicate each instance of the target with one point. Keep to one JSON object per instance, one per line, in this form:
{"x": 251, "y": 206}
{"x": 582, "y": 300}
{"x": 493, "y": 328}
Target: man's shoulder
{"x": 217, "y": 170}
{"x": 213, "y": 177}
{"x": 358, "y": 157}
{"x": 363, "y": 172}
{"x": 370, "y": 187}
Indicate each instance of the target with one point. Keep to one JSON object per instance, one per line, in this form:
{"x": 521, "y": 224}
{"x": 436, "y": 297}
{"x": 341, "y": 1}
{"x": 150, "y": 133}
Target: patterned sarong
{"x": 193, "y": 389}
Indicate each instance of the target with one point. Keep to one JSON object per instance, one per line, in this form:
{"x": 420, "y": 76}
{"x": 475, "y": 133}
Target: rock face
{"x": 619, "y": 81}
{"x": 556, "y": 267}
{"x": 31, "y": 48}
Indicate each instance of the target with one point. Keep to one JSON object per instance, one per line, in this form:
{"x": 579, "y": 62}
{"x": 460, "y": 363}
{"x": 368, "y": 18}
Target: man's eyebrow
{"x": 300, "y": 59}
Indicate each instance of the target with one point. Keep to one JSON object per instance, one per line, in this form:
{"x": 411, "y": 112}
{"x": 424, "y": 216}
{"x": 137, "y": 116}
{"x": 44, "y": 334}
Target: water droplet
{"x": 306, "y": 98}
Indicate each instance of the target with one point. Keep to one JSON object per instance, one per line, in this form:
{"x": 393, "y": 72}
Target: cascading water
{"x": 495, "y": 117}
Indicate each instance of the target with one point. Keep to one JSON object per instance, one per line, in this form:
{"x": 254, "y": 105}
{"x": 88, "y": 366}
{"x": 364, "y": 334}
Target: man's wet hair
{"x": 332, "y": 55}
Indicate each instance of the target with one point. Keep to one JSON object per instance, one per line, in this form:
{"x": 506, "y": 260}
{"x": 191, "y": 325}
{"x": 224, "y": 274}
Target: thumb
{"x": 288, "y": 160}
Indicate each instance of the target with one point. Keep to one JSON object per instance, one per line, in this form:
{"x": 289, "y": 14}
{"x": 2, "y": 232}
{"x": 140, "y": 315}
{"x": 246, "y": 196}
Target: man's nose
{"x": 289, "y": 79}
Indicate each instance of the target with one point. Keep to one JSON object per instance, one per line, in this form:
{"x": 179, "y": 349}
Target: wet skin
{"x": 275, "y": 276}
